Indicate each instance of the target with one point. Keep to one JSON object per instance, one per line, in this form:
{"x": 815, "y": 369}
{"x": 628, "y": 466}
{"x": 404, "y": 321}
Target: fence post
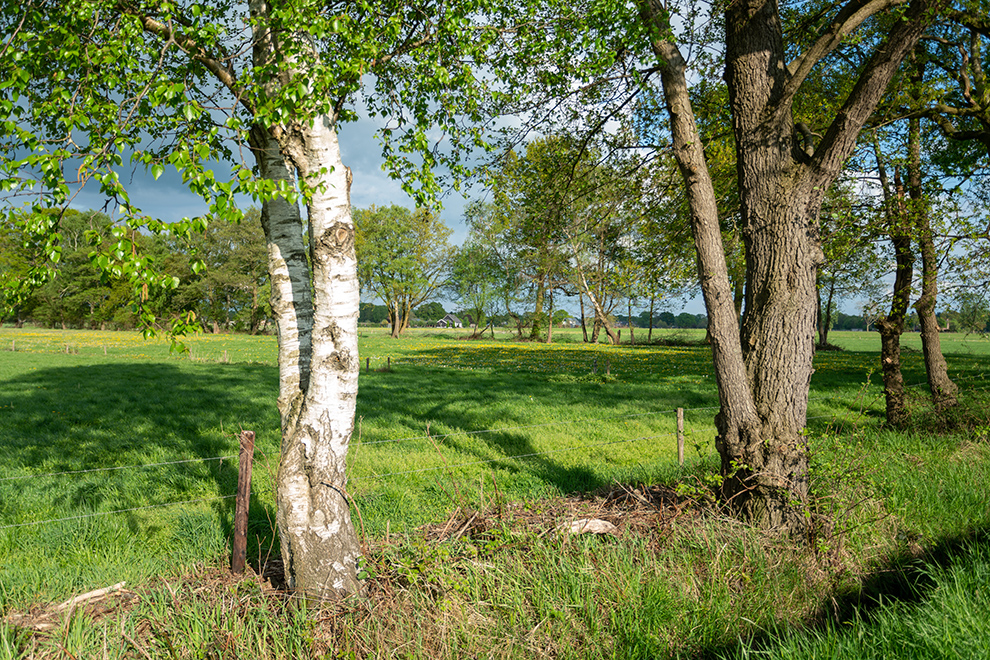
{"x": 367, "y": 365}
{"x": 238, "y": 553}
{"x": 680, "y": 436}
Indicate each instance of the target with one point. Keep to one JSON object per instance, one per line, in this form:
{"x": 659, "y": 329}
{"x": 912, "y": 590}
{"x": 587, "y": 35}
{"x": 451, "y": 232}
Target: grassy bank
{"x": 467, "y": 457}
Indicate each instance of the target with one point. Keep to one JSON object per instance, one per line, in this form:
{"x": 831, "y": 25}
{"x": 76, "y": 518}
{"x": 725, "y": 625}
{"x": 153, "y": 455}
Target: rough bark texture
{"x": 320, "y": 548}
{"x": 937, "y": 370}
{"x": 763, "y": 370}
{"x": 942, "y": 387}
{"x": 892, "y": 326}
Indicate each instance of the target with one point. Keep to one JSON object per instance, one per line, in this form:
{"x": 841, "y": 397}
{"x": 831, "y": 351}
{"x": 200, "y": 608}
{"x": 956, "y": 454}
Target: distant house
{"x": 450, "y": 321}
{"x": 570, "y": 323}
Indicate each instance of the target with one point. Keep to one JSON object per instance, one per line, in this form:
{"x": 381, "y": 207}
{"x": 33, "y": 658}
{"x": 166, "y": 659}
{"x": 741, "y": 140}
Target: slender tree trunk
{"x": 825, "y": 314}
{"x": 316, "y": 310}
{"x": 892, "y": 326}
{"x": 821, "y": 335}
{"x": 632, "y": 335}
{"x": 550, "y": 320}
{"x": 534, "y": 333}
{"x": 584, "y": 325}
{"x": 937, "y": 370}
{"x": 601, "y": 316}
{"x": 395, "y": 312}
{"x": 649, "y": 334}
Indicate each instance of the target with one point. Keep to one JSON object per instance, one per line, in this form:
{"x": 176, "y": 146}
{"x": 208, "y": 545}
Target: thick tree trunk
{"x": 764, "y": 395}
{"x": 320, "y": 548}
{"x": 737, "y": 423}
{"x": 779, "y": 218}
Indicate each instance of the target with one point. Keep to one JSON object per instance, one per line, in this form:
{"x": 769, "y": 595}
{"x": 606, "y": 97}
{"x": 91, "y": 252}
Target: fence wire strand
{"x": 118, "y": 467}
{"x": 108, "y": 513}
{"x": 527, "y": 426}
{"x": 509, "y": 458}
{"x": 375, "y": 477}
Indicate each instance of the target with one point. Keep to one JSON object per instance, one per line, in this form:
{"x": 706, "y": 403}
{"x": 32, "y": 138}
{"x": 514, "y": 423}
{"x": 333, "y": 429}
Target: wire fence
{"x": 433, "y": 438}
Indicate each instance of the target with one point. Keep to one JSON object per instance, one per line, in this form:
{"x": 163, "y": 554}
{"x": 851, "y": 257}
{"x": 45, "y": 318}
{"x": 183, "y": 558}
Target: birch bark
{"x": 315, "y": 298}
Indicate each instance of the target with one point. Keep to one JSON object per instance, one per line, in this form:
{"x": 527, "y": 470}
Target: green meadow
{"x": 119, "y": 463}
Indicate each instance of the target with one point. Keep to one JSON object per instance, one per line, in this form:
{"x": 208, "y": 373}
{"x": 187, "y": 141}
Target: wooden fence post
{"x": 680, "y": 436}
{"x": 238, "y": 553}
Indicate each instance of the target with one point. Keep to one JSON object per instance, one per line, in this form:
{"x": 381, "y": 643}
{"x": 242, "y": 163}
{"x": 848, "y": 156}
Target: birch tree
{"x": 93, "y": 88}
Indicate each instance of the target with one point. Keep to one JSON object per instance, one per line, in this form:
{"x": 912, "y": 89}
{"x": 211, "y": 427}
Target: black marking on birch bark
{"x": 338, "y": 239}
{"x": 339, "y": 492}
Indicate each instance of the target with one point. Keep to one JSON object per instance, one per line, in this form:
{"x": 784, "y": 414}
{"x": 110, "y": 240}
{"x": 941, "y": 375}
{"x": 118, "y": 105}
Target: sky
{"x": 169, "y": 200}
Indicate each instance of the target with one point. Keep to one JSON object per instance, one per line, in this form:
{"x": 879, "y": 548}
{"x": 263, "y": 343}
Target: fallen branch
{"x": 88, "y": 596}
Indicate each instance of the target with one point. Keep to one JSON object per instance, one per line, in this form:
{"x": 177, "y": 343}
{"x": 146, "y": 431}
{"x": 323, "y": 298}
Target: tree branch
{"x": 841, "y": 136}
{"x": 224, "y": 73}
{"x": 846, "y": 21}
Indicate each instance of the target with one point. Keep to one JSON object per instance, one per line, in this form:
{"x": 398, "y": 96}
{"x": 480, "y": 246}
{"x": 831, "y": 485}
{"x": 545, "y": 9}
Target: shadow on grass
{"x": 908, "y": 579}
{"x": 87, "y": 418}
{"x": 492, "y": 415}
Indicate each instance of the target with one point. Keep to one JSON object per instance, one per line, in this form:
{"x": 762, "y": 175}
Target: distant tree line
{"x": 219, "y": 275}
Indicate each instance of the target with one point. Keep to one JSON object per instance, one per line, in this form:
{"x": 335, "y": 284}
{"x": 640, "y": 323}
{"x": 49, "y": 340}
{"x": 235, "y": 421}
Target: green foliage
{"x": 178, "y": 87}
{"x": 431, "y": 312}
{"x": 974, "y": 312}
{"x": 403, "y": 257}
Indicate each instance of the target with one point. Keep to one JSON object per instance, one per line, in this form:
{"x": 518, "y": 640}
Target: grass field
{"x": 99, "y": 431}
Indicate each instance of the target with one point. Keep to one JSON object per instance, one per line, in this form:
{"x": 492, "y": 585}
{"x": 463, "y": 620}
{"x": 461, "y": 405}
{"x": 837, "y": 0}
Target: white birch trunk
{"x": 288, "y": 269}
{"x": 320, "y": 548}
{"x": 315, "y": 302}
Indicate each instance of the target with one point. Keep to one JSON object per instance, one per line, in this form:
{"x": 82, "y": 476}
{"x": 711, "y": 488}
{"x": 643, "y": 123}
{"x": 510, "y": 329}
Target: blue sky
{"x": 169, "y": 200}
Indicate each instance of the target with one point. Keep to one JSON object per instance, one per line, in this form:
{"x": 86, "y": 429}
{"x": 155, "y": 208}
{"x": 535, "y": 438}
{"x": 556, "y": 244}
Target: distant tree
{"x": 76, "y": 293}
{"x": 403, "y": 257}
{"x": 372, "y": 313}
{"x": 851, "y": 255}
{"x": 974, "y": 312}
{"x": 230, "y": 285}
{"x": 491, "y": 231}
{"x": 478, "y": 281}
{"x": 431, "y": 312}
{"x": 532, "y": 205}
{"x": 560, "y": 316}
